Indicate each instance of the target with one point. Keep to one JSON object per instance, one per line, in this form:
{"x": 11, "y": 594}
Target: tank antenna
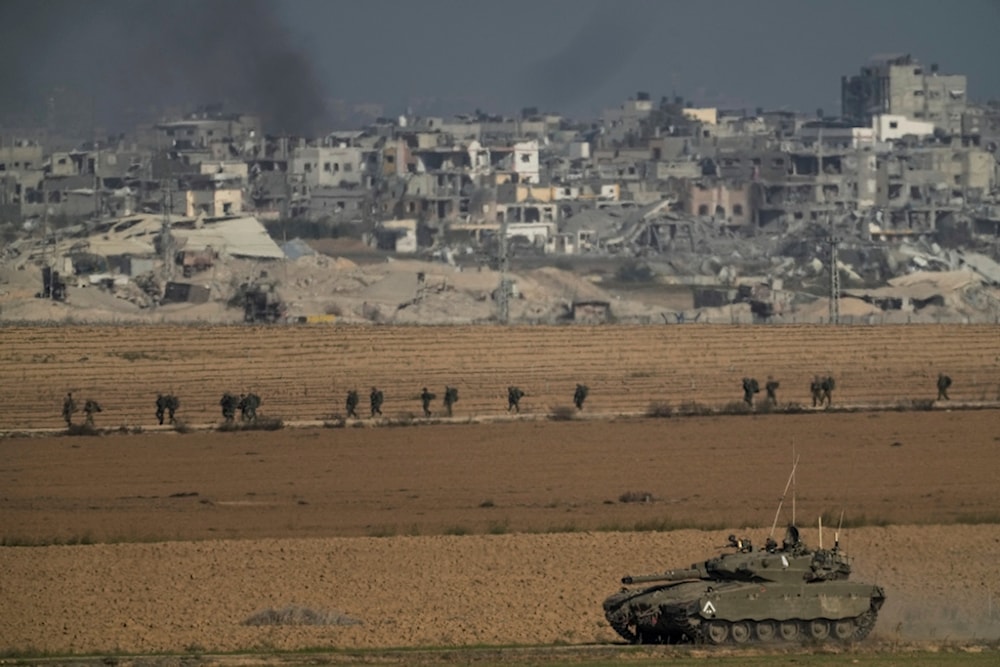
{"x": 782, "y": 499}
{"x": 836, "y": 536}
{"x": 795, "y": 461}
{"x": 820, "y": 531}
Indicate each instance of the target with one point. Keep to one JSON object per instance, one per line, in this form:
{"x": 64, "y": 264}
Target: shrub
{"x": 562, "y": 413}
{"x": 636, "y": 497}
{"x": 693, "y": 408}
{"x": 82, "y": 429}
{"x": 736, "y": 408}
{"x": 659, "y": 409}
{"x": 259, "y": 424}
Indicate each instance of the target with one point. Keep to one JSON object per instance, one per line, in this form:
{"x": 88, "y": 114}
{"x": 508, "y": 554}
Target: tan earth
{"x": 443, "y": 534}
{"x": 487, "y": 528}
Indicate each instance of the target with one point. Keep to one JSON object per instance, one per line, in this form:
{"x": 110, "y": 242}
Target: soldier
{"x": 228, "y": 403}
{"x": 173, "y": 404}
{"x": 352, "y": 404}
{"x": 943, "y": 383}
{"x": 750, "y": 387}
{"x": 580, "y": 395}
{"x": 816, "y": 387}
{"x": 450, "y": 398}
{"x": 514, "y": 395}
{"x": 425, "y": 398}
{"x": 827, "y": 386}
{"x": 89, "y": 408}
{"x": 248, "y": 406}
{"x": 772, "y": 390}
{"x": 161, "y": 407}
{"x": 376, "y": 398}
{"x": 69, "y": 407}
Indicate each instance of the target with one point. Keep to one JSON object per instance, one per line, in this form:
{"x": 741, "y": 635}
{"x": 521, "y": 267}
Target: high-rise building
{"x": 901, "y": 85}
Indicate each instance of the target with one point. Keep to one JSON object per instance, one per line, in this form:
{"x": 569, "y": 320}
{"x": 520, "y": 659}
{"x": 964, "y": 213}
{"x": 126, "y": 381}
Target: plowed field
{"x": 468, "y": 533}
{"x": 304, "y": 373}
{"x": 254, "y": 521}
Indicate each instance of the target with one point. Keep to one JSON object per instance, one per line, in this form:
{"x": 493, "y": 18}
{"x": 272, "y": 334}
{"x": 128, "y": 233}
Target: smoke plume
{"x": 128, "y": 57}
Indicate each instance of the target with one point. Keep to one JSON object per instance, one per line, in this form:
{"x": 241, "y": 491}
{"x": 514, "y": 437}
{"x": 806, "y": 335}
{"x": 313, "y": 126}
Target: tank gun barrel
{"x": 669, "y": 575}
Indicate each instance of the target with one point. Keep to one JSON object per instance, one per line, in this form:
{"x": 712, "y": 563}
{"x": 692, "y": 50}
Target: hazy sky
{"x": 574, "y": 56}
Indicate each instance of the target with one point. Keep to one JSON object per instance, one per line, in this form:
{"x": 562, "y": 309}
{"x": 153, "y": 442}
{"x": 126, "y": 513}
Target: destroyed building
{"x": 715, "y": 198}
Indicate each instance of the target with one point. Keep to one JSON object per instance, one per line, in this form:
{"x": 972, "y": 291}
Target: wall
{"x": 526, "y": 163}
{"x": 723, "y": 202}
{"x": 891, "y": 127}
{"x": 328, "y": 165}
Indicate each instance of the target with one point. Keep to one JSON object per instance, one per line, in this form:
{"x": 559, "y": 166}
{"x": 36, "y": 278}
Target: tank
{"x": 779, "y": 593}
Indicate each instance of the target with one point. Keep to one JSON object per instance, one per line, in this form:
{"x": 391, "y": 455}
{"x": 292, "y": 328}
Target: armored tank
{"x": 781, "y": 593}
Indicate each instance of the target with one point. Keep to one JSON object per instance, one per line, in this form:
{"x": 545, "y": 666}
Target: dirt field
{"x": 510, "y": 532}
{"x": 304, "y": 373}
{"x": 386, "y": 526}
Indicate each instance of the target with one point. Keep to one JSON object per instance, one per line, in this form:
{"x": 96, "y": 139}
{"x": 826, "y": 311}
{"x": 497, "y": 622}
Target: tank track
{"x": 620, "y": 622}
{"x": 686, "y": 628}
{"x": 788, "y": 631}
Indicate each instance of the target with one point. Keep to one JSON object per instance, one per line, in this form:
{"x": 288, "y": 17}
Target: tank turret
{"x": 779, "y": 593}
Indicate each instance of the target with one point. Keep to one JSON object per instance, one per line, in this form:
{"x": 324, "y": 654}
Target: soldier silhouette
{"x": 514, "y": 395}
{"x": 943, "y": 383}
{"x": 161, "y": 407}
{"x": 351, "y": 405}
{"x": 228, "y": 403}
{"x": 425, "y": 398}
{"x": 826, "y": 387}
{"x": 772, "y": 390}
{"x": 173, "y": 404}
{"x": 580, "y": 395}
{"x": 816, "y": 387}
{"x": 89, "y": 408}
{"x": 248, "y": 406}
{"x": 376, "y": 398}
{"x": 69, "y": 407}
{"x": 750, "y": 387}
{"x": 450, "y": 398}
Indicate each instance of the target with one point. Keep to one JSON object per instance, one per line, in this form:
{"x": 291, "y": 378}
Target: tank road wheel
{"x": 843, "y": 630}
{"x": 766, "y": 631}
{"x": 740, "y": 632}
{"x": 819, "y": 629}
{"x": 717, "y": 632}
{"x": 789, "y": 631}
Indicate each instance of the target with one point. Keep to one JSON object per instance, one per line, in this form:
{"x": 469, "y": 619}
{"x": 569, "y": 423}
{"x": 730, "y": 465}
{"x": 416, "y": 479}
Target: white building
{"x": 892, "y": 127}
{"x": 526, "y": 162}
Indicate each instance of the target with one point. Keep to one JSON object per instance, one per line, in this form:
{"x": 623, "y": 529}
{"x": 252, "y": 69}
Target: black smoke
{"x": 593, "y": 55}
{"x": 123, "y": 58}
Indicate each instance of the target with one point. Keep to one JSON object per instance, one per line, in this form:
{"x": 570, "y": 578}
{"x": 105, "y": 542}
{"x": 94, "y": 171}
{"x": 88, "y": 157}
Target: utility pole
{"x": 503, "y": 294}
{"x": 166, "y": 239}
{"x": 834, "y": 276}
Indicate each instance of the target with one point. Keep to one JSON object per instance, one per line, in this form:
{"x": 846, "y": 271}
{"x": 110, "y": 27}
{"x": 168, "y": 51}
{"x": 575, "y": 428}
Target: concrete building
{"x": 329, "y": 166}
{"x": 727, "y": 203}
{"x": 902, "y": 86}
{"x": 892, "y": 127}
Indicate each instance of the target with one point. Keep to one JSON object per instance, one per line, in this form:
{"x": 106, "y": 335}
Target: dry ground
{"x": 304, "y": 373}
{"x": 351, "y": 520}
